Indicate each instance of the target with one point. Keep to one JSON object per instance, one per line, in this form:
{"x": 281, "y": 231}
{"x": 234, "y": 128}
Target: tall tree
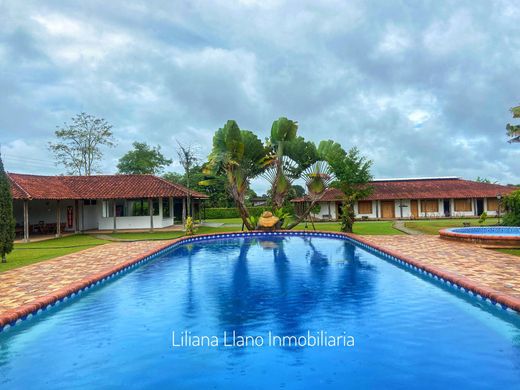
{"x": 143, "y": 159}
{"x": 513, "y": 131}
{"x": 237, "y": 154}
{"x": 7, "y": 221}
{"x": 188, "y": 160}
{"x": 352, "y": 172}
{"x": 217, "y": 191}
{"x": 78, "y": 145}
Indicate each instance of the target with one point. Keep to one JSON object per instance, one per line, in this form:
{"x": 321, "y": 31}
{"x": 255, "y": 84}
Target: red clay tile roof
{"x": 95, "y": 187}
{"x": 425, "y": 189}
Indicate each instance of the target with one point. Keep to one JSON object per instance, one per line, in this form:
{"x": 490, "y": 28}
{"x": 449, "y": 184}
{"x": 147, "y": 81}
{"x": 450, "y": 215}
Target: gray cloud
{"x": 422, "y": 88}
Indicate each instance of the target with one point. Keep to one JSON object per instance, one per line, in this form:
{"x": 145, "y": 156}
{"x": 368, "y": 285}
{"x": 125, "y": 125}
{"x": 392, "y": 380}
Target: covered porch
{"x": 55, "y": 205}
{"x": 44, "y": 218}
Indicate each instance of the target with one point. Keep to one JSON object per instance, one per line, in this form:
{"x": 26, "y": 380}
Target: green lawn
{"x": 33, "y": 252}
{"x": 373, "y": 227}
{"x": 237, "y": 221}
{"x": 515, "y": 252}
{"x": 162, "y": 235}
{"x": 432, "y": 226}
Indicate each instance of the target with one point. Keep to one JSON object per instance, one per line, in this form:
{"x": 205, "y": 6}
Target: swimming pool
{"x": 506, "y": 236}
{"x": 408, "y": 331}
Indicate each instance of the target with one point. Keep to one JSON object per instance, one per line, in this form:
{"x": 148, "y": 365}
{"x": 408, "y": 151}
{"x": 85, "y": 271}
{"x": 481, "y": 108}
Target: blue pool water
{"x": 408, "y": 331}
{"x": 489, "y": 230}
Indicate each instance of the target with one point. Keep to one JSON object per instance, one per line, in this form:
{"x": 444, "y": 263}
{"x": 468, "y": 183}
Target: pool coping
{"x": 15, "y": 316}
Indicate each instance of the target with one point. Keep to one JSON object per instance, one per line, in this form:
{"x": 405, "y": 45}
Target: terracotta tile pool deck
{"x": 27, "y": 289}
{"x": 484, "y": 270}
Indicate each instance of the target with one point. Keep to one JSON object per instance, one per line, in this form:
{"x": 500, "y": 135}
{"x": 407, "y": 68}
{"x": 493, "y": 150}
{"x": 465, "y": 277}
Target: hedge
{"x": 230, "y": 212}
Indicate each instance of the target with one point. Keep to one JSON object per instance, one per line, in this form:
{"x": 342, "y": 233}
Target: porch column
{"x": 150, "y": 211}
{"x": 58, "y": 219}
{"x": 82, "y": 215}
{"x": 26, "y": 220}
{"x": 76, "y": 216}
{"x": 114, "y": 212}
{"x": 183, "y": 211}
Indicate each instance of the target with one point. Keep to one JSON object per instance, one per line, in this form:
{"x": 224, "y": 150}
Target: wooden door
{"x": 387, "y": 209}
{"x": 414, "y": 209}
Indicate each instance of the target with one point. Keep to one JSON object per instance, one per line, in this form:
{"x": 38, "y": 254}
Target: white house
{"x": 102, "y": 202}
{"x": 417, "y": 198}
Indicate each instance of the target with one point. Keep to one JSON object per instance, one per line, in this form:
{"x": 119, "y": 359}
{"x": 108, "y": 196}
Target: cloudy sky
{"x": 422, "y": 88}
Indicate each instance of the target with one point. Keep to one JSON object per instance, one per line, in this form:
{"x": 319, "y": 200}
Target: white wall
{"x": 131, "y": 222}
{"x": 89, "y": 213}
{"x": 324, "y": 211}
{"x": 128, "y": 222}
{"x": 406, "y": 212}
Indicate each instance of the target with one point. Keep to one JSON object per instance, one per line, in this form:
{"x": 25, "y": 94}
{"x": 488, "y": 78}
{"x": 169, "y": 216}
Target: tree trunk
{"x": 242, "y": 209}
{"x": 4, "y": 260}
{"x": 348, "y": 217}
{"x": 304, "y": 215}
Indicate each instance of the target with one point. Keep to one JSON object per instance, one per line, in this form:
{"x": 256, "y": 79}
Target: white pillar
{"x": 150, "y": 211}
{"x": 26, "y": 220}
{"x": 114, "y": 212}
{"x": 58, "y": 219}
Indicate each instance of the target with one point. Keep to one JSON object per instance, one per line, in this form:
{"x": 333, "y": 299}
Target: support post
{"x": 82, "y": 215}
{"x": 76, "y": 216}
{"x": 184, "y": 211}
{"x": 26, "y": 220}
{"x": 58, "y": 219}
{"x": 114, "y": 212}
{"x": 150, "y": 211}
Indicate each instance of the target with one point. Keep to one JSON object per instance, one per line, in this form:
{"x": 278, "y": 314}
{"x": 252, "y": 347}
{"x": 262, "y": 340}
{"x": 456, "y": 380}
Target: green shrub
{"x": 483, "y": 217}
{"x": 512, "y": 205}
{"x": 230, "y": 212}
{"x": 190, "y": 229}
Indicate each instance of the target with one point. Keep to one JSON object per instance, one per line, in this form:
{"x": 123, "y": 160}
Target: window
{"x": 139, "y": 207}
{"x": 463, "y": 205}
{"x": 365, "y": 207}
{"x": 89, "y": 202}
{"x": 129, "y": 207}
{"x": 492, "y": 204}
{"x": 108, "y": 208}
{"x": 429, "y": 206}
{"x": 166, "y": 208}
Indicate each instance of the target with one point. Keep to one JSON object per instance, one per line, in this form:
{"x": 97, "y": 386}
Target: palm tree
{"x": 317, "y": 179}
{"x": 513, "y": 131}
{"x": 237, "y": 154}
{"x": 289, "y": 156}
